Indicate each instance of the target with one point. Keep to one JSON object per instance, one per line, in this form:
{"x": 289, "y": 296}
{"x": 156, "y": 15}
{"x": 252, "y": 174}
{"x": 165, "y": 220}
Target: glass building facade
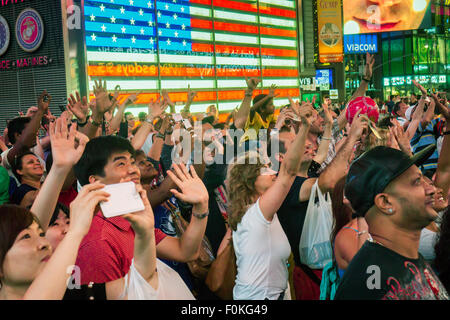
{"x": 421, "y": 55}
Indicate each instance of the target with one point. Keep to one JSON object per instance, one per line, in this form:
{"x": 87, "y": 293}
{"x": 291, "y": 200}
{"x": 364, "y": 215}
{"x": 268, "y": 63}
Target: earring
{"x": 390, "y": 210}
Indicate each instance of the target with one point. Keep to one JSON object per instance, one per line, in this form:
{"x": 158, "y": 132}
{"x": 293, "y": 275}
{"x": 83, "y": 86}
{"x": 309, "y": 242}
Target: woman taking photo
{"x": 262, "y": 248}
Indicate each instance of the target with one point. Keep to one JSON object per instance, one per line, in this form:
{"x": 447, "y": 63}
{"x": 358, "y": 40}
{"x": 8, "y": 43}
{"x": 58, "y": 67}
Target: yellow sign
{"x": 331, "y": 48}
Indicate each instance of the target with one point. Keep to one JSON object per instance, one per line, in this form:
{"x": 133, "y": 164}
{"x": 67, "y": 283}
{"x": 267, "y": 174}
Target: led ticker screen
{"x": 210, "y": 45}
{"x": 421, "y": 79}
{"x": 362, "y": 16}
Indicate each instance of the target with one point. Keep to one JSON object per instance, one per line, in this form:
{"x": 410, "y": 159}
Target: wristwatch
{"x": 200, "y": 215}
{"x": 82, "y": 124}
{"x": 366, "y": 80}
{"x": 95, "y": 123}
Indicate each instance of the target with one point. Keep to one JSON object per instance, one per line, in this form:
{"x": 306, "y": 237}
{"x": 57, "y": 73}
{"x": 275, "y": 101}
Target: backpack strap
{"x": 310, "y": 273}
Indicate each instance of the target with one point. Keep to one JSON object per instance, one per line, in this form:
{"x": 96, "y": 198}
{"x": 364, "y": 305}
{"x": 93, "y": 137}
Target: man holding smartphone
{"x": 107, "y": 251}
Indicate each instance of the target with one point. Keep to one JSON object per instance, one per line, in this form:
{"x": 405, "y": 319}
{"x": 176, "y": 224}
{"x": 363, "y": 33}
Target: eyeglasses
{"x": 266, "y": 171}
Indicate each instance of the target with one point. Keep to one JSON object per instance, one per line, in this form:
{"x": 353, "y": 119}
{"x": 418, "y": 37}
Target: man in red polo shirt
{"x": 106, "y": 252}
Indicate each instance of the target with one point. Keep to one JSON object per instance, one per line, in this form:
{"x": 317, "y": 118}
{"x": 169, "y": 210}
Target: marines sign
{"x": 29, "y": 30}
{"x": 4, "y": 35}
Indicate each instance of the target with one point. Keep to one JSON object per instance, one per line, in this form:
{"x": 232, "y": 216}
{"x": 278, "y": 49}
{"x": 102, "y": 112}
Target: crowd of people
{"x": 310, "y": 201}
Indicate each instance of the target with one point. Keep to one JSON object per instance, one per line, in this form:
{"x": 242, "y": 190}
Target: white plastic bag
{"x": 315, "y": 247}
{"x": 170, "y": 285}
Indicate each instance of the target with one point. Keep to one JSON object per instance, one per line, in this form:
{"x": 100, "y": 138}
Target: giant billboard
{"x": 362, "y": 16}
{"x": 211, "y": 46}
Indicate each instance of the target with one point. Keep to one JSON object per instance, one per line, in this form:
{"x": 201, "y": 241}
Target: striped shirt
{"x": 423, "y": 138}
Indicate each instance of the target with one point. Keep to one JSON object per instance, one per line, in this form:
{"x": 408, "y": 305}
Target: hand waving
{"x": 252, "y": 83}
{"x": 44, "y": 101}
{"x": 156, "y": 108}
{"x": 102, "y": 101}
{"x": 191, "y": 94}
{"x": 359, "y": 125}
{"x": 368, "y": 69}
{"x": 65, "y": 150}
{"x": 193, "y": 190}
{"x": 79, "y": 106}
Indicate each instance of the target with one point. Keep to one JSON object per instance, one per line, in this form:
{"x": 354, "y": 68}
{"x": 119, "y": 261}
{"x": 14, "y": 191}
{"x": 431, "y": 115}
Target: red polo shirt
{"x": 106, "y": 252}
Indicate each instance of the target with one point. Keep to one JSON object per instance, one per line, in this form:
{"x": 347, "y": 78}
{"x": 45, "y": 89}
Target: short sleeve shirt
{"x": 262, "y": 250}
{"x": 378, "y": 273}
{"x": 106, "y": 252}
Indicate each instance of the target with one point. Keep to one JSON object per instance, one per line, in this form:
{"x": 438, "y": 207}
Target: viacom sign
{"x": 361, "y": 43}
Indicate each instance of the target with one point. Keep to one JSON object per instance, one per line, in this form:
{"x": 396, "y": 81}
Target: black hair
{"x": 63, "y": 208}
{"x": 219, "y": 126}
{"x": 18, "y": 164}
{"x": 258, "y": 98}
{"x": 13, "y": 220}
{"x": 209, "y": 119}
{"x": 397, "y": 107}
{"x": 16, "y": 125}
{"x": 96, "y": 155}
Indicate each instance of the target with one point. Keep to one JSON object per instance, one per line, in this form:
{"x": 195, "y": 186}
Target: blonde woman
{"x": 261, "y": 246}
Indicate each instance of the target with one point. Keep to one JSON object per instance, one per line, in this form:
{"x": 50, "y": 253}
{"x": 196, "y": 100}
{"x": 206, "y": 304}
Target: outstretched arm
{"x": 442, "y": 179}
{"x": 322, "y": 152}
{"x": 51, "y": 283}
{"x": 28, "y": 137}
{"x": 244, "y": 110}
{"x": 272, "y": 199}
{"x": 368, "y": 72}
{"x": 193, "y": 191}
{"x": 66, "y": 152}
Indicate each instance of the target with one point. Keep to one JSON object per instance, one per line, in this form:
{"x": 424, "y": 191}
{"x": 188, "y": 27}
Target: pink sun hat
{"x": 369, "y": 107}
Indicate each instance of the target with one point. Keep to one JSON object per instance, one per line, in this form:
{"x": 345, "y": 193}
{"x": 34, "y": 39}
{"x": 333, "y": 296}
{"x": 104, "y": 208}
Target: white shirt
{"x": 426, "y": 244}
{"x": 148, "y": 144}
{"x": 262, "y": 250}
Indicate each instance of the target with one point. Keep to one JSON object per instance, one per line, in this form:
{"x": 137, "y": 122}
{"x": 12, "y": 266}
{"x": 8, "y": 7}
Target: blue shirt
{"x": 423, "y": 138}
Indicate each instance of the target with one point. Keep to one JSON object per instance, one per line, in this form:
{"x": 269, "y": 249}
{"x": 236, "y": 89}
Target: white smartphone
{"x": 124, "y": 199}
{"x": 187, "y": 124}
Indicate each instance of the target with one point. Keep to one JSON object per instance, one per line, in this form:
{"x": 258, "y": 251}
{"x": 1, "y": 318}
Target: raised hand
{"x": 143, "y": 221}
{"x": 191, "y": 94}
{"x": 78, "y": 106}
{"x": 401, "y": 137}
{"x": 156, "y": 108}
{"x": 441, "y": 107}
{"x": 327, "y": 114}
{"x": 368, "y": 69}
{"x": 82, "y": 208}
{"x": 192, "y": 189}
{"x": 272, "y": 89}
{"x": 306, "y": 113}
{"x": 252, "y": 83}
{"x": 44, "y": 101}
{"x": 102, "y": 101}
{"x": 421, "y": 88}
{"x": 359, "y": 125}
{"x": 67, "y": 145}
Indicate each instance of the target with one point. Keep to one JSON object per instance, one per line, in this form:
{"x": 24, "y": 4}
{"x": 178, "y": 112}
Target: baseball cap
{"x": 370, "y": 174}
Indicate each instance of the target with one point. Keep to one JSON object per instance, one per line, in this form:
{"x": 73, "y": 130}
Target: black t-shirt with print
{"x": 378, "y": 273}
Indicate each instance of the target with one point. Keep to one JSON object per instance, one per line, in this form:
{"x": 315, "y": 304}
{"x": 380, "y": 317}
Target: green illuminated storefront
{"x": 421, "y": 55}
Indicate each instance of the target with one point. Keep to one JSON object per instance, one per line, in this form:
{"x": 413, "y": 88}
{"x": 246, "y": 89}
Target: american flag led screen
{"x": 145, "y": 45}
